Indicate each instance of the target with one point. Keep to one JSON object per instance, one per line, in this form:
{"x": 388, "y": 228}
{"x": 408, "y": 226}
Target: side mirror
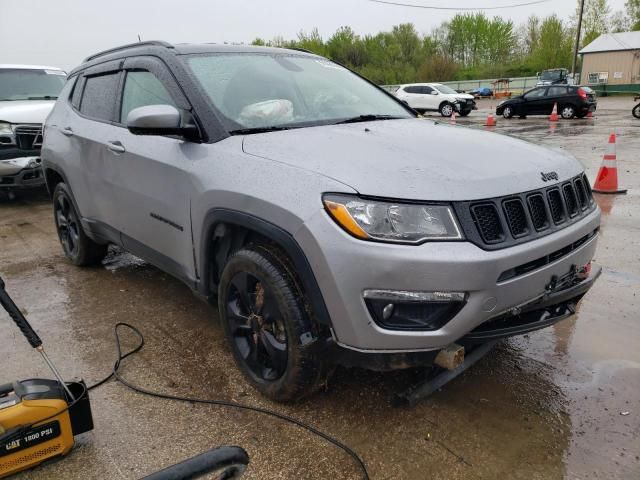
{"x": 158, "y": 120}
{"x": 434, "y": 92}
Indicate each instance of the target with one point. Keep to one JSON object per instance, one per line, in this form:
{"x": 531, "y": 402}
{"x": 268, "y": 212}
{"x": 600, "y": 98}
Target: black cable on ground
{"x": 223, "y": 403}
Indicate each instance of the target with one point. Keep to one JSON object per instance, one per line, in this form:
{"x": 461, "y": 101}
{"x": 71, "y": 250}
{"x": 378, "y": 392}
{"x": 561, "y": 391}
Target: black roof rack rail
{"x": 157, "y": 43}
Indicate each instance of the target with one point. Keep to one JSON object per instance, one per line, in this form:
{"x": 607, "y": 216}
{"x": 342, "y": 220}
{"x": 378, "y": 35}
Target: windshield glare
{"x": 30, "y": 84}
{"x": 446, "y": 90}
{"x": 266, "y": 90}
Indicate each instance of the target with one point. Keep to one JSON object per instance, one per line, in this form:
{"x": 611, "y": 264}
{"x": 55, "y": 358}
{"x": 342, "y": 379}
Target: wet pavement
{"x": 549, "y": 405}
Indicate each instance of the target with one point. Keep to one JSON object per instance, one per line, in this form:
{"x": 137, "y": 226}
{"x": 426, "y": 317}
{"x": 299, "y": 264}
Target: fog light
{"x": 387, "y": 311}
{"x": 413, "y": 310}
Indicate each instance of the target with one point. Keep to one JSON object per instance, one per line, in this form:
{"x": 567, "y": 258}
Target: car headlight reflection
{"x": 395, "y": 222}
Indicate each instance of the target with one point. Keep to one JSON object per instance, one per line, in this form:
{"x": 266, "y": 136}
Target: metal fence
{"x": 517, "y": 85}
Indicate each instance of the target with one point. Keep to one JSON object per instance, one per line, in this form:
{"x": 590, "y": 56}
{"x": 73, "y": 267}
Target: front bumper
{"x": 345, "y": 267}
{"x": 15, "y": 176}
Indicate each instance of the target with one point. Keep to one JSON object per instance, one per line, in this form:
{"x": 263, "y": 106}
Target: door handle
{"x": 67, "y": 131}
{"x": 116, "y": 147}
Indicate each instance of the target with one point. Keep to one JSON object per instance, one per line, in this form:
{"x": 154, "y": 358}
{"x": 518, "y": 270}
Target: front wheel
{"x": 464, "y": 113}
{"x": 446, "y": 109}
{"x": 636, "y": 111}
{"x": 507, "y": 112}
{"x": 567, "y": 112}
{"x": 77, "y": 247}
{"x": 265, "y": 321}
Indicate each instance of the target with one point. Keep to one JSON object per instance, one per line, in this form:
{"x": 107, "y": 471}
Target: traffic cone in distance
{"x": 590, "y": 114}
{"x": 452, "y": 119}
{"x": 607, "y": 179}
{"x": 554, "y": 113}
{"x": 491, "y": 122}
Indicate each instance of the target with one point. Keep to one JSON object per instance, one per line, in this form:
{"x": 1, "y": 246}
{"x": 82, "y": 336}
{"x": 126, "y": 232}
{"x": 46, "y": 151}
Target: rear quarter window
{"x": 99, "y": 96}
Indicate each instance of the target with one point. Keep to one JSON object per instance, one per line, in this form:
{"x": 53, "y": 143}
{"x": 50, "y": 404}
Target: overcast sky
{"x": 63, "y": 32}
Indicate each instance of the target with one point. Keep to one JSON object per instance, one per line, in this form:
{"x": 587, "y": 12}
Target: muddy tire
{"x": 267, "y": 326}
{"x": 77, "y": 247}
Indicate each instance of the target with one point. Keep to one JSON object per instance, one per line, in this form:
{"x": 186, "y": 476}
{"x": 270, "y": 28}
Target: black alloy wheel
{"x": 77, "y": 247}
{"x": 269, "y": 326}
{"x": 67, "y": 225}
{"x": 256, "y": 325}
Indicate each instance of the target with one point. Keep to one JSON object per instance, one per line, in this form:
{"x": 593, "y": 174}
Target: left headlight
{"x": 394, "y": 222}
{"x": 5, "y": 128}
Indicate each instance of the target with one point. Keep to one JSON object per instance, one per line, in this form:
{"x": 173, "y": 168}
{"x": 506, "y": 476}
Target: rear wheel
{"x": 263, "y": 314}
{"x": 636, "y": 111}
{"x": 567, "y": 112}
{"x": 77, "y": 247}
{"x": 446, "y": 109}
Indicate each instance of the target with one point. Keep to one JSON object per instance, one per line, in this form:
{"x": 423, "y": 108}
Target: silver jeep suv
{"x": 329, "y": 222}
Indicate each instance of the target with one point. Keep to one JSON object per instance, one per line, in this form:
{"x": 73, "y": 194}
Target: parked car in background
{"x": 436, "y": 97}
{"x": 554, "y": 76}
{"x": 328, "y": 222}
{"x": 27, "y": 95}
{"x": 572, "y": 101}
{"x": 481, "y": 92}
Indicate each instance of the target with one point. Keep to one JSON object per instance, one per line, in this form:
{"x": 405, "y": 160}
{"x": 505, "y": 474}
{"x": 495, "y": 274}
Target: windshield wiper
{"x": 368, "y": 118}
{"x": 43, "y": 97}
{"x": 248, "y": 131}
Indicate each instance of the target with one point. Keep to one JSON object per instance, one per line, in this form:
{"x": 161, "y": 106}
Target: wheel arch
{"x": 225, "y": 230}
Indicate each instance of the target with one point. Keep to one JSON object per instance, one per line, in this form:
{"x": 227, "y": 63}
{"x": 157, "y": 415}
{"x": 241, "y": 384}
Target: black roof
{"x": 160, "y": 48}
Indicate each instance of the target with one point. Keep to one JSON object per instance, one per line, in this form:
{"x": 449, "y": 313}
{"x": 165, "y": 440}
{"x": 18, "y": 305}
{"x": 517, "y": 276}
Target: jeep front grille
{"x": 505, "y": 221}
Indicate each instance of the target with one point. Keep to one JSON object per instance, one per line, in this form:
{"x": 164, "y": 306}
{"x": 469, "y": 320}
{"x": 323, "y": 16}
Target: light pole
{"x": 577, "y": 44}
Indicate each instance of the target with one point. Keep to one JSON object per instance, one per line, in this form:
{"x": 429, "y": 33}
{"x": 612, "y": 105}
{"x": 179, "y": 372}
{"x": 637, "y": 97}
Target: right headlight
{"x": 5, "y": 128}
{"x": 395, "y": 222}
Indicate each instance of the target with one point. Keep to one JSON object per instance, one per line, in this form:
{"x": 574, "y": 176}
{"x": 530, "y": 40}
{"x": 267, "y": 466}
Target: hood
{"x": 25, "y": 111}
{"x": 464, "y": 95}
{"x": 416, "y": 159}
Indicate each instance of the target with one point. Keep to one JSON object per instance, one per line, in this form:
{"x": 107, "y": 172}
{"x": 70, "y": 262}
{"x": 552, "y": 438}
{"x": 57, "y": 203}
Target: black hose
{"x": 223, "y": 403}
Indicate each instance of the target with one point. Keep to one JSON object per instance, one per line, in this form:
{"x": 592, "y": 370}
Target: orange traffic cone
{"x": 554, "y": 113}
{"x": 590, "y": 114}
{"x": 607, "y": 179}
{"x": 491, "y": 122}
{"x": 452, "y": 119}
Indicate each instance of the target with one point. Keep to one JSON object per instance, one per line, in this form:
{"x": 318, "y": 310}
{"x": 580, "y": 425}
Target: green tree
{"x": 554, "y": 47}
{"x": 633, "y": 12}
{"x": 595, "y": 19}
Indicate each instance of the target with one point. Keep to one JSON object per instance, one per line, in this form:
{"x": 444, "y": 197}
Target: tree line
{"x": 468, "y": 46}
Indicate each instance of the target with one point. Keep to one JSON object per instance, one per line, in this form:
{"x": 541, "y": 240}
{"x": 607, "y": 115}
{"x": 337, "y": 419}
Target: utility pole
{"x": 577, "y": 44}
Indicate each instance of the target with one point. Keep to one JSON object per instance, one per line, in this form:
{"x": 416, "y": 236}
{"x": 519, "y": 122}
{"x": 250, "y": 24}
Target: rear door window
{"x": 556, "y": 91}
{"x": 99, "y": 96}
{"x": 413, "y": 89}
{"x": 142, "y": 88}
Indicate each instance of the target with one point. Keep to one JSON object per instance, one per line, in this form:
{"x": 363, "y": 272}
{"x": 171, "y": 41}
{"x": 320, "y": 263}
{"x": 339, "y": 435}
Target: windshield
{"x": 446, "y": 90}
{"x": 30, "y": 84}
{"x": 552, "y": 75}
{"x": 260, "y": 91}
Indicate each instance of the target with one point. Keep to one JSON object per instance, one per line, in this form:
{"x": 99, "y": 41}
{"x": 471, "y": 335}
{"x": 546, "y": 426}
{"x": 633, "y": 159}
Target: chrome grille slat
{"x": 28, "y": 137}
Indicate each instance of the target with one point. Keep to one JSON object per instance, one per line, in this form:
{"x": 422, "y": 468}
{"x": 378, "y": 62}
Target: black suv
{"x": 572, "y": 100}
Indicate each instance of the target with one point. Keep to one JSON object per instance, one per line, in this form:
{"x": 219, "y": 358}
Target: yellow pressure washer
{"x": 38, "y": 418}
